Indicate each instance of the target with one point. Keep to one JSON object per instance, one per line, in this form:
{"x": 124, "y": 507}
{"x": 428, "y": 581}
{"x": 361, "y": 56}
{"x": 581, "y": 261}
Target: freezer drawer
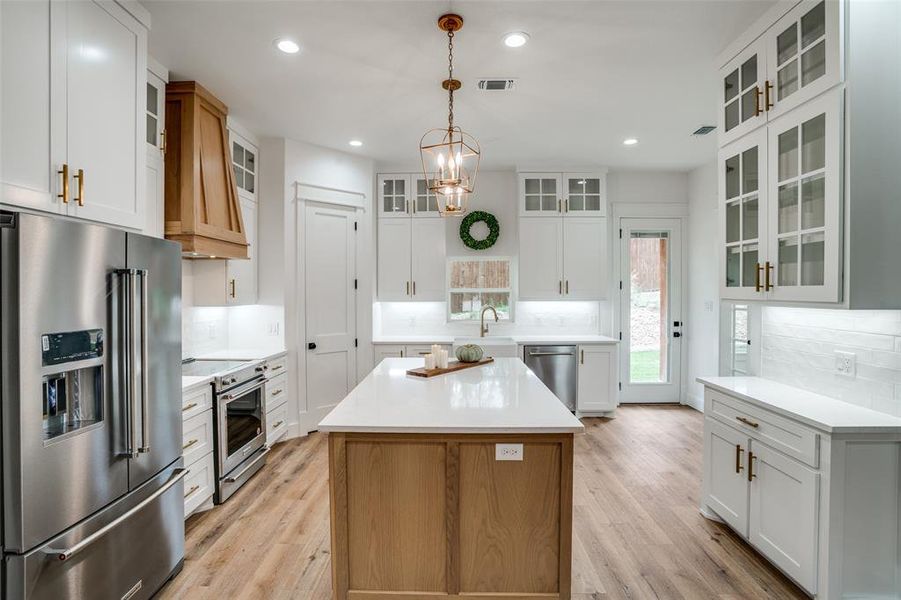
{"x": 141, "y": 550}
{"x": 557, "y": 367}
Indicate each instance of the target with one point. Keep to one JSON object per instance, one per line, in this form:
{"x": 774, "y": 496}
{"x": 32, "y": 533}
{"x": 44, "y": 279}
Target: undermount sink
{"x": 495, "y": 346}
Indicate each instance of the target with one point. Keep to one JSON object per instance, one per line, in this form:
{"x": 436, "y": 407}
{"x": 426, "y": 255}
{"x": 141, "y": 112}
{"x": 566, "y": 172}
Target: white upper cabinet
{"x": 106, "y": 66}
{"x": 793, "y": 61}
{"x": 803, "y": 55}
{"x": 230, "y": 282}
{"x": 568, "y": 194}
{"x": 73, "y": 110}
{"x": 394, "y": 195}
{"x": 155, "y": 144}
{"x": 394, "y": 258}
{"x": 423, "y": 203}
{"x": 805, "y": 202}
{"x": 743, "y": 216}
{"x": 245, "y": 165}
{"x": 563, "y": 259}
{"x": 742, "y": 93}
{"x": 427, "y": 255}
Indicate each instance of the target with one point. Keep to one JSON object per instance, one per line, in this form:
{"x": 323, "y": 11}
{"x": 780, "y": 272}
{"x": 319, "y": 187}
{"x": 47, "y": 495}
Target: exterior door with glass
{"x": 650, "y": 305}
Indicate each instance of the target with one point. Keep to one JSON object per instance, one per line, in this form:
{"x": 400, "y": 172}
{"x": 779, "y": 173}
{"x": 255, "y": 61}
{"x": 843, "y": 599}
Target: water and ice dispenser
{"x": 72, "y": 381}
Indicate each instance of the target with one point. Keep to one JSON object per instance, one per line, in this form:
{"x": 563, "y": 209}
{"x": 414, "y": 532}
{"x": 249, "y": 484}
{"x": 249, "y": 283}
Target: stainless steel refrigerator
{"x": 90, "y": 428}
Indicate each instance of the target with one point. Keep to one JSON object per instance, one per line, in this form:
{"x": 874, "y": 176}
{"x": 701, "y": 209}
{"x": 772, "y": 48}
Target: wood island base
{"x": 417, "y": 516}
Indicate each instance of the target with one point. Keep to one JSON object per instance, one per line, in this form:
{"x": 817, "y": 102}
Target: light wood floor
{"x": 637, "y": 530}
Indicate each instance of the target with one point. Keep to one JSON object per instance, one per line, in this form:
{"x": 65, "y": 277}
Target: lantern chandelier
{"x": 450, "y": 156}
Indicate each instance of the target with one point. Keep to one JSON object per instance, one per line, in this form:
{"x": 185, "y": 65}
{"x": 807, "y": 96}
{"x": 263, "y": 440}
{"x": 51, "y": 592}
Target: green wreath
{"x": 494, "y": 230}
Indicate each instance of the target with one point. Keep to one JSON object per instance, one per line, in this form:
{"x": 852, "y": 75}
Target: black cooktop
{"x": 204, "y": 367}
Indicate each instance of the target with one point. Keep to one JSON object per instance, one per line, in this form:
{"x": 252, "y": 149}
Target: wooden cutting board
{"x": 452, "y": 367}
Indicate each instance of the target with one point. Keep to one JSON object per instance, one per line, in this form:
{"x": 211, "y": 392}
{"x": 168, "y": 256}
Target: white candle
{"x": 429, "y": 361}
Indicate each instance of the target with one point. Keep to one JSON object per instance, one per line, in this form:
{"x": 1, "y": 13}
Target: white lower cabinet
{"x": 197, "y": 448}
{"x": 821, "y": 504}
{"x": 277, "y": 405}
{"x": 276, "y": 423}
{"x": 597, "y": 387}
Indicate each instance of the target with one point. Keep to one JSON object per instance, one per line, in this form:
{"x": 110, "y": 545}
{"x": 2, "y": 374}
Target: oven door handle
{"x": 237, "y": 476}
{"x": 63, "y": 555}
{"x": 235, "y": 394}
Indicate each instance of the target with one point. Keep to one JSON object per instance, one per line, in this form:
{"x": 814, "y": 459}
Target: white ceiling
{"x": 593, "y": 74}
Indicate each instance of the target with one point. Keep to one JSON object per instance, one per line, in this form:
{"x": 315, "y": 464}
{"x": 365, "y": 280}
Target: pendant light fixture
{"x": 450, "y": 156}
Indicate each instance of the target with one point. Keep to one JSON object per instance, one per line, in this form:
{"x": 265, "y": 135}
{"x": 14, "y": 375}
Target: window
{"x": 478, "y": 282}
{"x": 741, "y": 342}
{"x": 244, "y": 157}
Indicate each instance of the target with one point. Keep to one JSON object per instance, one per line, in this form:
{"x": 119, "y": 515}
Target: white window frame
{"x": 734, "y": 309}
{"x": 511, "y": 290}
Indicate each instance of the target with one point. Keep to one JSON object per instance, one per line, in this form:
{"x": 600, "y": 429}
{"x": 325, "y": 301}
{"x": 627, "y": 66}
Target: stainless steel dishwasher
{"x": 556, "y": 366}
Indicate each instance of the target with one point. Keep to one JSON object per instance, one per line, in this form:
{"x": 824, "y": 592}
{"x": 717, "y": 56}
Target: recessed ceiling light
{"x": 516, "y": 39}
{"x": 287, "y": 46}
{"x": 355, "y": 143}
{"x": 630, "y": 142}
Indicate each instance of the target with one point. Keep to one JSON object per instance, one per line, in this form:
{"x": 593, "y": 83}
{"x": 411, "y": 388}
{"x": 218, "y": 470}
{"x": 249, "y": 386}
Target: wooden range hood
{"x": 202, "y": 209}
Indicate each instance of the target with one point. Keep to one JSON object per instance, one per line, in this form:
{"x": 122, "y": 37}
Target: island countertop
{"x": 502, "y": 397}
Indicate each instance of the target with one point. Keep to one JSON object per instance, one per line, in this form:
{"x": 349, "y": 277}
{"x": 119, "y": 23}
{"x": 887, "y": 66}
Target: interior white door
{"x": 651, "y": 309}
{"x": 331, "y": 326}
{"x": 784, "y": 513}
{"x": 394, "y": 247}
{"x": 427, "y": 259}
{"x": 585, "y": 258}
{"x": 726, "y": 474}
{"x": 541, "y": 258}
{"x": 106, "y": 91}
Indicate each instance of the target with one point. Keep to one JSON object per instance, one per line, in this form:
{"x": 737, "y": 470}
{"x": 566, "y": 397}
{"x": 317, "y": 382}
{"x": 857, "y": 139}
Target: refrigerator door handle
{"x": 145, "y": 379}
{"x": 127, "y": 360}
{"x": 66, "y": 554}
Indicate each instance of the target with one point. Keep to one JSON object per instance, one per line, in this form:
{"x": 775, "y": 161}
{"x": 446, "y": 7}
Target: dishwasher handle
{"x": 533, "y": 353}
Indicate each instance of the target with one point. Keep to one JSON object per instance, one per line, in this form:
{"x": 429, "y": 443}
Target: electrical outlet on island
{"x": 845, "y": 363}
{"x": 508, "y": 451}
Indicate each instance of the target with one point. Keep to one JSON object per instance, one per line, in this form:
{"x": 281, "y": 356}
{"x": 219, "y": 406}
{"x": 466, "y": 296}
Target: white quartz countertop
{"x": 191, "y": 381}
{"x": 502, "y": 397}
{"x": 821, "y": 412}
{"x": 243, "y": 354}
{"x": 519, "y": 339}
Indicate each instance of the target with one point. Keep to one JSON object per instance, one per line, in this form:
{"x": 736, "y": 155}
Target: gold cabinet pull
{"x": 189, "y": 444}
{"x": 277, "y": 368}
{"x": 757, "y": 94}
{"x": 277, "y": 392}
{"x": 566, "y": 205}
{"x": 232, "y": 283}
{"x": 757, "y": 271}
{"x": 189, "y": 407}
{"x": 408, "y": 288}
{"x": 567, "y": 287}
{"x": 414, "y": 288}
{"x": 277, "y": 425}
{"x": 768, "y": 99}
{"x": 163, "y": 142}
{"x": 193, "y": 489}
{"x": 80, "y": 177}
{"x": 751, "y": 474}
{"x": 559, "y": 206}
{"x": 560, "y": 287}
{"x": 582, "y": 357}
{"x": 738, "y": 452}
{"x": 768, "y": 284}
{"x": 65, "y": 173}
{"x": 748, "y": 422}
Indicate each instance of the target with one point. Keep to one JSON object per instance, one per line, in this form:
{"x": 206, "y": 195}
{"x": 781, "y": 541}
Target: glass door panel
{"x": 425, "y": 203}
{"x": 650, "y": 319}
{"x": 808, "y": 206}
{"x": 744, "y": 222}
{"x": 583, "y": 194}
{"x": 540, "y": 194}
{"x": 742, "y": 80}
{"x": 803, "y": 51}
{"x": 394, "y": 193}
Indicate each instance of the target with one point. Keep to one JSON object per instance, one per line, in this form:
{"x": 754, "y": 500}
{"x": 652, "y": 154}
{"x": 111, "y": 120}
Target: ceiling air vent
{"x": 703, "y": 130}
{"x": 497, "y": 85}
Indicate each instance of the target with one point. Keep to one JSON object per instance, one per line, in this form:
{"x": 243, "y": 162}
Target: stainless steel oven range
{"x": 239, "y": 410}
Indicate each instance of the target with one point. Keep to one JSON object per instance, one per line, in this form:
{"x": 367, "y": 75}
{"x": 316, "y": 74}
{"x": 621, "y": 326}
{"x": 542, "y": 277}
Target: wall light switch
{"x": 508, "y": 451}
{"x": 846, "y": 363}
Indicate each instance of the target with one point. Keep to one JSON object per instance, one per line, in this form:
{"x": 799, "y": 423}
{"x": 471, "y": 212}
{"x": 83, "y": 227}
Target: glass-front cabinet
{"x": 803, "y": 55}
{"x": 743, "y": 206}
{"x": 393, "y": 195}
{"x": 743, "y": 84}
{"x": 805, "y": 202}
{"x": 425, "y": 203}
{"x": 566, "y": 194}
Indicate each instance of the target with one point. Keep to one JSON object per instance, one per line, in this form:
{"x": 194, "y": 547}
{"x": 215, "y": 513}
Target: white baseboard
{"x": 694, "y": 401}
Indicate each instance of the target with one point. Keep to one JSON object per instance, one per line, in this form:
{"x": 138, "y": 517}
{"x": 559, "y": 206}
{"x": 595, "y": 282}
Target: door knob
{"x": 677, "y": 334}
{"x": 311, "y": 345}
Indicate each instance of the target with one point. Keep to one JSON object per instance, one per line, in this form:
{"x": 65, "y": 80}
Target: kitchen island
{"x": 457, "y": 485}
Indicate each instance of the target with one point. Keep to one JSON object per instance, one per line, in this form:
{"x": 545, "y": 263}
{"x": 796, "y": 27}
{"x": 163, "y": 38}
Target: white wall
{"x": 647, "y": 187}
{"x": 799, "y": 344}
{"x": 702, "y": 315}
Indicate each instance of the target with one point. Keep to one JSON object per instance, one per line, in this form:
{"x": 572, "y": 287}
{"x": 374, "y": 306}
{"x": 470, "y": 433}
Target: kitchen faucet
{"x": 483, "y": 329}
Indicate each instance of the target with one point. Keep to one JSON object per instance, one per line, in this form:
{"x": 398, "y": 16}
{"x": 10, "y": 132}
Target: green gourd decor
{"x": 469, "y": 353}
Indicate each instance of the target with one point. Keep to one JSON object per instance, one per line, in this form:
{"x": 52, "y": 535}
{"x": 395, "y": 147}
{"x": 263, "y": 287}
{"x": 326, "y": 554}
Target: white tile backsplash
{"x": 799, "y": 345}
{"x": 530, "y": 318}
